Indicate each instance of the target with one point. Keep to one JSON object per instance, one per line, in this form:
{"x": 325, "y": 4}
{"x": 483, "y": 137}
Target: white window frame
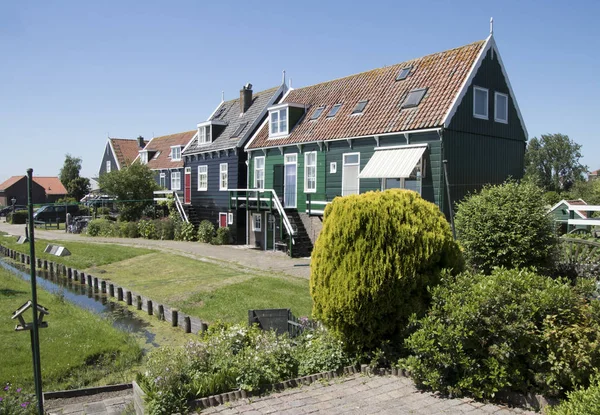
{"x": 223, "y": 176}
{"x": 306, "y": 171}
{"x": 420, "y": 176}
{"x": 279, "y": 127}
{"x": 351, "y": 164}
{"x": 203, "y": 171}
{"x": 255, "y": 228}
{"x": 162, "y": 180}
{"x": 203, "y": 136}
{"x": 487, "y": 103}
{"x": 144, "y": 157}
{"x": 496, "y": 118}
{"x": 230, "y": 218}
{"x": 175, "y": 156}
{"x": 108, "y": 166}
{"x": 176, "y": 173}
{"x": 332, "y": 167}
{"x": 257, "y": 170}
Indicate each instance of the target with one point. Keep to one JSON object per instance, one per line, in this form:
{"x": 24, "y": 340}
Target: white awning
{"x": 395, "y": 162}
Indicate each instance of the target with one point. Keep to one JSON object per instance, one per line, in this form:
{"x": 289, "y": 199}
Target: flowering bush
{"x": 15, "y": 401}
{"x": 233, "y": 357}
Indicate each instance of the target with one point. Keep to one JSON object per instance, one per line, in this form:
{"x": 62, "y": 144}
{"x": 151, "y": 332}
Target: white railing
{"x": 276, "y": 202}
{"x": 168, "y": 195}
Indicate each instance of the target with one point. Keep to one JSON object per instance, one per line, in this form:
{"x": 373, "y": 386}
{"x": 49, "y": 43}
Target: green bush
{"x": 128, "y": 230}
{"x": 83, "y": 211}
{"x": 147, "y": 229}
{"x": 103, "y": 227}
{"x": 224, "y": 359}
{"x": 222, "y": 236}
{"x": 19, "y": 217}
{"x": 512, "y": 330}
{"x": 165, "y": 229}
{"x": 188, "y": 232}
{"x": 320, "y": 351}
{"x": 102, "y": 211}
{"x": 507, "y": 226}
{"x": 206, "y": 231}
{"x": 404, "y": 240}
{"x": 580, "y": 402}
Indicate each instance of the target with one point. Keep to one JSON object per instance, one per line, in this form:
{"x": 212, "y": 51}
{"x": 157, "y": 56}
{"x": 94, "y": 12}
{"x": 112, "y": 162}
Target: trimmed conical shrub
{"x": 373, "y": 261}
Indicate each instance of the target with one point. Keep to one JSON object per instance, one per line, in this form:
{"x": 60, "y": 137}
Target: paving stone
{"x": 93, "y": 407}
{"x": 72, "y": 409}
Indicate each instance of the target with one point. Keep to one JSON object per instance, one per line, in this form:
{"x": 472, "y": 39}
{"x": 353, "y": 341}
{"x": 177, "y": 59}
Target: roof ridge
{"x": 394, "y": 64}
{"x": 253, "y": 95}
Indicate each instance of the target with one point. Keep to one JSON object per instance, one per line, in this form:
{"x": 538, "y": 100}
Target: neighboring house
{"x": 564, "y": 210}
{"x": 119, "y": 153}
{"x": 215, "y": 161}
{"x": 163, "y": 155}
{"x": 593, "y": 174}
{"x": 44, "y": 190}
{"x": 392, "y": 127}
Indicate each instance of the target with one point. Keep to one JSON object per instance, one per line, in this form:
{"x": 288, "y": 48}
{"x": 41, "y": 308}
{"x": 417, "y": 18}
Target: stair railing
{"x": 180, "y": 208}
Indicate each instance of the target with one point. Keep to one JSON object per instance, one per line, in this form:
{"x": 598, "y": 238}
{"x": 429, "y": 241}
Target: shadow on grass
{"x": 6, "y": 292}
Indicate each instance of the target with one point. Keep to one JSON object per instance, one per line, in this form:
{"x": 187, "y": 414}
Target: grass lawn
{"x": 83, "y": 254}
{"x": 207, "y": 290}
{"x": 77, "y": 349}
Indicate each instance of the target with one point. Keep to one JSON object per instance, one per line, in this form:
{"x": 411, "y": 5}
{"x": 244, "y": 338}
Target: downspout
{"x": 449, "y": 199}
{"x": 247, "y": 187}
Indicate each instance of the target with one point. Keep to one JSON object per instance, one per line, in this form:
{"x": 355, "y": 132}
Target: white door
{"x": 290, "y": 183}
{"x": 350, "y": 171}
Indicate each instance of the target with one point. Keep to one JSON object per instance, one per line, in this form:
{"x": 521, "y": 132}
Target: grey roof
{"x": 229, "y": 112}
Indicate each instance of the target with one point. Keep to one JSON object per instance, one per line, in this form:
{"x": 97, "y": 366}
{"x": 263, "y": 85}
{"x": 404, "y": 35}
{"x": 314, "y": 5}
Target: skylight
{"x": 219, "y": 112}
{"x": 334, "y": 110}
{"x": 317, "y": 113}
{"x": 360, "y": 107}
{"x": 239, "y": 130}
{"x": 414, "y": 98}
{"x": 403, "y": 73}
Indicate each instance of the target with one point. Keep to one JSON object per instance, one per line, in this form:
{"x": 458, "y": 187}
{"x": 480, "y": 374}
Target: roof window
{"x": 239, "y": 130}
{"x": 414, "y": 98}
{"x": 360, "y": 107}
{"x": 334, "y": 110}
{"x": 317, "y": 113}
{"x": 403, "y": 73}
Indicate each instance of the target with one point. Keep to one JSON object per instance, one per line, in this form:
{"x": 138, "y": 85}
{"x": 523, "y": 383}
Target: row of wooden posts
{"x": 163, "y": 312}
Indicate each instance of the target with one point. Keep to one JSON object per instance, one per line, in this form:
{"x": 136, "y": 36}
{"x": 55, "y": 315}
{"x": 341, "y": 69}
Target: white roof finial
{"x": 291, "y": 83}
{"x": 222, "y": 96}
{"x": 491, "y": 25}
{"x": 283, "y": 80}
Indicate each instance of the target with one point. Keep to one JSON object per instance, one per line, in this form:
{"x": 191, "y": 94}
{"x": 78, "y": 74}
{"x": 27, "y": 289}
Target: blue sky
{"x": 72, "y": 73}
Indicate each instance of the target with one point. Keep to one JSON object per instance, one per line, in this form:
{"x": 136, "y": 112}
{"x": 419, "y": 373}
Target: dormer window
{"x": 175, "y": 153}
{"x": 207, "y": 133}
{"x": 204, "y": 135}
{"x": 279, "y": 124}
{"x": 144, "y": 157}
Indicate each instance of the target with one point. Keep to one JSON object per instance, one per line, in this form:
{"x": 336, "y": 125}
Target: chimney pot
{"x": 245, "y": 97}
{"x": 140, "y": 140}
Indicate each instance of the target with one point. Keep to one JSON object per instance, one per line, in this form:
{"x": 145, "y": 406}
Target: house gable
{"x": 108, "y": 155}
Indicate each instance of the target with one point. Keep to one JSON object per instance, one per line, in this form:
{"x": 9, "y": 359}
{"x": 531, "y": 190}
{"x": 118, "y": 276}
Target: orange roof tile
{"x": 125, "y": 150}
{"x": 162, "y": 145}
{"x": 52, "y": 185}
{"x": 441, "y": 73}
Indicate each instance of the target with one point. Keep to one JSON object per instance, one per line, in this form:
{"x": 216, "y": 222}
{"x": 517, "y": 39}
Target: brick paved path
{"x": 359, "y": 395}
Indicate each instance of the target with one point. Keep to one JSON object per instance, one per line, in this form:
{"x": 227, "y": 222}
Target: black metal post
{"x": 35, "y": 335}
{"x": 449, "y": 199}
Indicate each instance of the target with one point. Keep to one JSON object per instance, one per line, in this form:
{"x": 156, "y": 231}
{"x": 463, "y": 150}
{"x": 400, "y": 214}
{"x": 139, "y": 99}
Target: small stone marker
{"x": 57, "y": 250}
{"x": 22, "y": 240}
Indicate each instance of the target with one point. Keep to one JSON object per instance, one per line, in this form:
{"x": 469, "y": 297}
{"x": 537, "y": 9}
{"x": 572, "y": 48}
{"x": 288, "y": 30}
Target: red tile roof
{"x": 52, "y": 185}
{"x": 578, "y": 202}
{"x": 126, "y": 150}
{"x": 442, "y": 74}
{"x": 163, "y": 145}
{"x": 8, "y": 183}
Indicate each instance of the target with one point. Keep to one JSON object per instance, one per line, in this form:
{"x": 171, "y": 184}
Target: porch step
{"x": 303, "y": 245}
{"x": 192, "y": 214}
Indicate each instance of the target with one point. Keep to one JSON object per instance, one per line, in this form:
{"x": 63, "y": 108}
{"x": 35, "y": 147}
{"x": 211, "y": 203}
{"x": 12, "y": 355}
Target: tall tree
{"x": 133, "y": 185}
{"x": 552, "y": 162}
{"x": 76, "y": 185}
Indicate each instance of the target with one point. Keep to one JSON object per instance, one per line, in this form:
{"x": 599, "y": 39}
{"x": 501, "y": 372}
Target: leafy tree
{"x": 505, "y": 225}
{"x": 588, "y": 191}
{"x": 134, "y": 185}
{"x": 552, "y": 162}
{"x": 373, "y": 262}
{"x": 76, "y": 186}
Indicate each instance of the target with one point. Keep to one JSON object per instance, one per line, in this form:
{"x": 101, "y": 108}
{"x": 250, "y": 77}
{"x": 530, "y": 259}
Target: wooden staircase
{"x": 303, "y": 246}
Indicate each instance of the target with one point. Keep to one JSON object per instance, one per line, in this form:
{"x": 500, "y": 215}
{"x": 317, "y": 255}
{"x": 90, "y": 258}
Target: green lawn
{"x": 77, "y": 349}
{"x": 83, "y": 254}
{"x": 207, "y": 290}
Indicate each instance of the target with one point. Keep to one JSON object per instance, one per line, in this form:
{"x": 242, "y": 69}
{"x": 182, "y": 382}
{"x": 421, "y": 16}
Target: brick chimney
{"x": 140, "y": 140}
{"x": 245, "y": 97}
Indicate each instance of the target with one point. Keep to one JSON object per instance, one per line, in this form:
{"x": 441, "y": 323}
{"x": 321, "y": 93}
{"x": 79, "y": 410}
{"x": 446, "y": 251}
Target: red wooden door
{"x": 222, "y": 220}
{"x": 187, "y": 194}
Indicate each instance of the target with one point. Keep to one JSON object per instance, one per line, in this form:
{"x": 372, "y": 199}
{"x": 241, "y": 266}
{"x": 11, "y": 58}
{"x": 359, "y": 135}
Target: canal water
{"x": 90, "y": 299}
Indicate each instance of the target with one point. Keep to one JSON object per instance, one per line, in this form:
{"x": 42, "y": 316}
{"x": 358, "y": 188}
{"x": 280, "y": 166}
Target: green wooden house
{"x": 564, "y": 210}
{"x": 442, "y": 125}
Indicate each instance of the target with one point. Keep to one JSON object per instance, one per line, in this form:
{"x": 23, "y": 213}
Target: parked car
{"x": 6, "y": 210}
{"x": 55, "y": 213}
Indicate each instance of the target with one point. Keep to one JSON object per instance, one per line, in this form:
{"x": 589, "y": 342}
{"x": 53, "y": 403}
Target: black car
{"x": 8, "y": 209}
{"x": 55, "y": 213}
